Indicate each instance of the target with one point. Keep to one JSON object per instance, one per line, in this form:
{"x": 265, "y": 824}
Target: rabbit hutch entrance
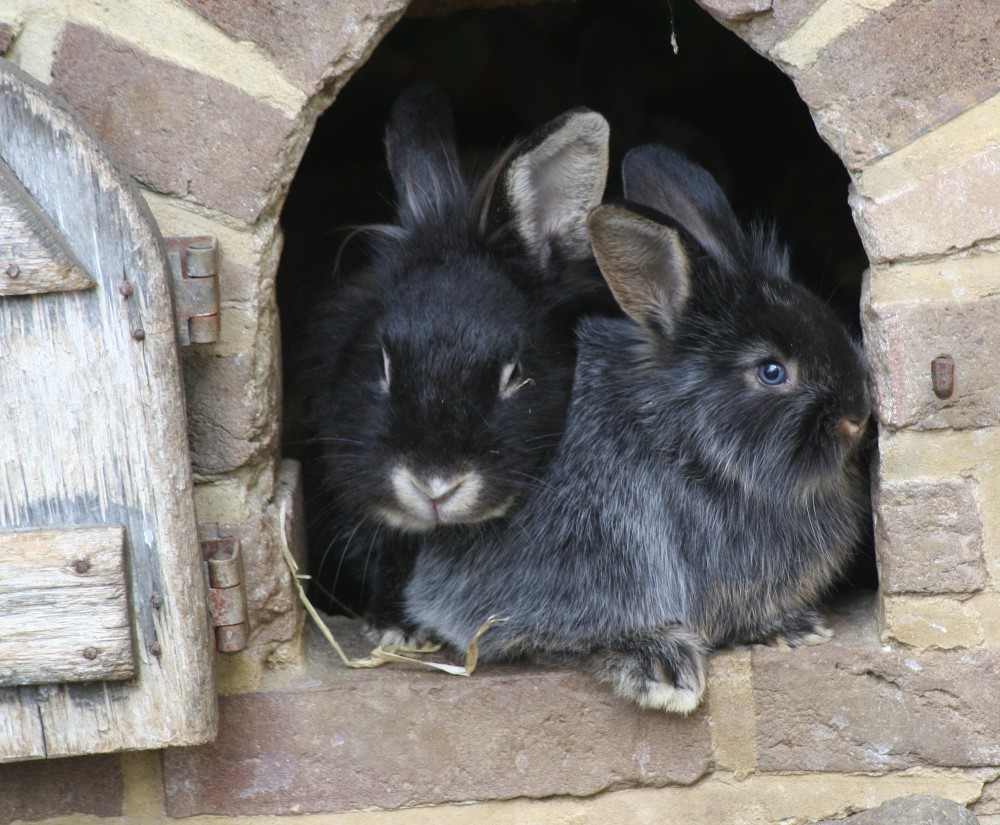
{"x": 663, "y": 73}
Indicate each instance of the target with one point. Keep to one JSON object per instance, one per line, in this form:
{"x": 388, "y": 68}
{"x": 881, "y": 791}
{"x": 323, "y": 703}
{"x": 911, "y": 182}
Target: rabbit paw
{"x": 800, "y": 631}
{"x": 396, "y": 637}
{"x": 660, "y": 671}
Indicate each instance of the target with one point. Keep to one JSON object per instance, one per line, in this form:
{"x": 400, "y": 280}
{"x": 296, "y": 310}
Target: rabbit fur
{"x": 437, "y": 377}
{"x": 712, "y": 479}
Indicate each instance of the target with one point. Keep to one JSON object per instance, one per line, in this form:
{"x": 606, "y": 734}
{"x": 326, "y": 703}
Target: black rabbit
{"x": 712, "y": 479}
{"x": 437, "y": 377}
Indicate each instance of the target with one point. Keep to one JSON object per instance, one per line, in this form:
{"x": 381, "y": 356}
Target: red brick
{"x": 306, "y": 39}
{"x": 43, "y": 789}
{"x": 901, "y": 72}
{"x": 855, "y": 706}
{"x": 178, "y": 131}
{"x": 341, "y": 740}
{"x": 903, "y": 339}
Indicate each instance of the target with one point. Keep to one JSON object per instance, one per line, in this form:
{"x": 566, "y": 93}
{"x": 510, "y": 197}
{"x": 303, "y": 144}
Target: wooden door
{"x": 104, "y": 640}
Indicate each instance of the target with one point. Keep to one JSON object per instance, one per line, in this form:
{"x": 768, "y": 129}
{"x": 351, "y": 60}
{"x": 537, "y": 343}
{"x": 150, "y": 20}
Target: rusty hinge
{"x": 194, "y": 265}
{"x": 227, "y": 595}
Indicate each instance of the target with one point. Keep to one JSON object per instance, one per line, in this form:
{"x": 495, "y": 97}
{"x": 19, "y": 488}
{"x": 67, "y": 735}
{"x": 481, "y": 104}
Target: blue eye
{"x": 771, "y": 373}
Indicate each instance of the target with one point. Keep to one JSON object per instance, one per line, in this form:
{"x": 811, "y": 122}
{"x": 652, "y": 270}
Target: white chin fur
{"x": 424, "y": 503}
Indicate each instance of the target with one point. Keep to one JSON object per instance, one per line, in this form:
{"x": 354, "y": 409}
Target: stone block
{"x": 919, "y": 809}
{"x": 902, "y": 339}
{"x": 903, "y": 70}
{"x": 310, "y": 42}
{"x": 232, "y": 391}
{"x": 929, "y": 537}
{"x": 44, "y": 789}
{"x": 989, "y": 801}
{"x": 178, "y": 131}
{"x": 762, "y": 31}
{"x": 942, "y": 622}
{"x": 736, "y": 9}
{"x": 953, "y": 210}
{"x": 854, "y": 705}
{"x": 332, "y": 739}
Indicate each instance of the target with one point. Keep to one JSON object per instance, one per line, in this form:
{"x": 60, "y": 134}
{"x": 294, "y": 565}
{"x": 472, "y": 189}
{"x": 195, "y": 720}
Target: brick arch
{"x": 906, "y": 92}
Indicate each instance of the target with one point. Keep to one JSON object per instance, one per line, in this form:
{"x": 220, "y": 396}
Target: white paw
{"x": 821, "y": 635}
{"x": 397, "y": 639}
{"x": 660, "y": 696}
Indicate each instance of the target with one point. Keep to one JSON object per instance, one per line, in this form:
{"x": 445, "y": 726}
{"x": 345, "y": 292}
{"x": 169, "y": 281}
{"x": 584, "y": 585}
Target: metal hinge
{"x": 227, "y": 595}
{"x": 194, "y": 265}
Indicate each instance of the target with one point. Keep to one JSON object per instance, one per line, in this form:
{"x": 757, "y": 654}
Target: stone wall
{"x": 209, "y": 105}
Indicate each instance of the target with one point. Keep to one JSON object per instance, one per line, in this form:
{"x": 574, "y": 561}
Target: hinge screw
{"x": 90, "y": 653}
{"x": 13, "y": 271}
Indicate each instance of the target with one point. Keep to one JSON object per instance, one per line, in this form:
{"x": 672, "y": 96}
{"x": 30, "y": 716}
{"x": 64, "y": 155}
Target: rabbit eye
{"x": 772, "y": 373}
{"x": 511, "y": 379}
{"x": 386, "y": 371}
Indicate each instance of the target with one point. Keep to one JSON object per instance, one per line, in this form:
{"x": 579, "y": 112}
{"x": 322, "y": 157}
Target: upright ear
{"x": 665, "y": 180}
{"x": 423, "y": 158}
{"x": 644, "y": 263}
{"x": 553, "y": 181}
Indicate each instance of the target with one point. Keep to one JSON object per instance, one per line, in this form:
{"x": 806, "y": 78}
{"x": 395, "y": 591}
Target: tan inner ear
{"x": 644, "y": 263}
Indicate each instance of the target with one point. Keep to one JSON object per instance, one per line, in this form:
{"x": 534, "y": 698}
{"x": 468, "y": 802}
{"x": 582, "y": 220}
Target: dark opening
{"x": 508, "y": 70}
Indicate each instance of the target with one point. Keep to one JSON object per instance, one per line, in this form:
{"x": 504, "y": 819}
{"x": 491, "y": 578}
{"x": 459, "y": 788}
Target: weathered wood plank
{"x": 61, "y": 558}
{"x": 33, "y": 259}
{"x": 64, "y": 614}
{"x": 93, "y": 430}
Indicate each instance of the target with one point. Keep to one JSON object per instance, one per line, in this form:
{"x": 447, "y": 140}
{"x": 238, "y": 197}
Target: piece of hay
{"x": 380, "y": 655}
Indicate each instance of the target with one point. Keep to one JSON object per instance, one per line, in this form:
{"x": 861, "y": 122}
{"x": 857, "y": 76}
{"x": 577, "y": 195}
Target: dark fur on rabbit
{"x": 437, "y": 377}
{"x": 712, "y": 480}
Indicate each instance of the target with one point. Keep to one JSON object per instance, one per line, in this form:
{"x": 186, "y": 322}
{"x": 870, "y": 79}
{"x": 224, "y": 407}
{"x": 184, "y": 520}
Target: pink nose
{"x": 852, "y": 427}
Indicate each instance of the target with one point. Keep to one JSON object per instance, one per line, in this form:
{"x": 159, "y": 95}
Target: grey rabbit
{"x": 712, "y": 480}
{"x": 437, "y": 375}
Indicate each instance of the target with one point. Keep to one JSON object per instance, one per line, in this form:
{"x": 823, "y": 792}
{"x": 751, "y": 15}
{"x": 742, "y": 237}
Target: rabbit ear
{"x": 423, "y": 157}
{"x": 663, "y": 179}
{"x": 554, "y": 180}
{"x": 645, "y": 264}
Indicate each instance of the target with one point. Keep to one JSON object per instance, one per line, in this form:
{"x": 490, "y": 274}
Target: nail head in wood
{"x": 126, "y": 289}
{"x": 155, "y": 649}
{"x": 943, "y": 376}
{"x": 81, "y": 566}
{"x": 139, "y": 334}
{"x": 90, "y": 653}
{"x": 13, "y": 271}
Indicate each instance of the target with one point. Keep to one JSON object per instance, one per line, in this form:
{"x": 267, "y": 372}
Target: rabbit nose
{"x": 439, "y": 490}
{"x": 852, "y": 427}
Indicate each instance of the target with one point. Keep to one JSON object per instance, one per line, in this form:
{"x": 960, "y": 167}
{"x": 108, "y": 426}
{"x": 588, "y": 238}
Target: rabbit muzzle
{"x": 423, "y": 502}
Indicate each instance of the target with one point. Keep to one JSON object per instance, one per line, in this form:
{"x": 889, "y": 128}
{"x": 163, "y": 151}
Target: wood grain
{"x": 93, "y": 432}
{"x": 64, "y": 613}
{"x": 33, "y": 259}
